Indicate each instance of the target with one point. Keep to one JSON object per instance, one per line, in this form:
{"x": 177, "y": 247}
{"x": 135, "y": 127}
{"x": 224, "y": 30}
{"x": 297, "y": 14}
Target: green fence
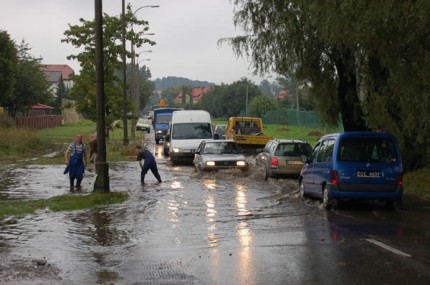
{"x": 293, "y": 118}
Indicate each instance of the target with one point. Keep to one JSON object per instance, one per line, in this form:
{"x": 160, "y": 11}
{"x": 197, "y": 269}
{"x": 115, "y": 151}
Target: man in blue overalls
{"x": 149, "y": 163}
{"x": 77, "y": 161}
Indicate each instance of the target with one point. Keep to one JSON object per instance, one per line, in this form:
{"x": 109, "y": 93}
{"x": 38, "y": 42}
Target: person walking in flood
{"x": 149, "y": 163}
{"x": 76, "y": 159}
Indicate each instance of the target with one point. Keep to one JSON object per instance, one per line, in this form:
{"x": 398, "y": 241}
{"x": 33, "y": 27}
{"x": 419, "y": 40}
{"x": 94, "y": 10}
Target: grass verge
{"x": 60, "y": 203}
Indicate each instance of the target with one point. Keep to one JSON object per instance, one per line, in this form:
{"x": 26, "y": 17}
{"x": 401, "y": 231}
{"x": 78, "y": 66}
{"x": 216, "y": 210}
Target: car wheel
{"x": 157, "y": 141}
{"x": 266, "y": 173}
{"x": 303, "y": 195}
{"x": 327, "y": 201}
{"x": 148, "y": 131}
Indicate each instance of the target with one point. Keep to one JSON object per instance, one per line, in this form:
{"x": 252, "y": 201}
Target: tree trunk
{"x": 351, "y": 111}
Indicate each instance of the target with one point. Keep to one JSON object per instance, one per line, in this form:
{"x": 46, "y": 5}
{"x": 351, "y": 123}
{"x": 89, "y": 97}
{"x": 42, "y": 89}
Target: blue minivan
{"x": 354, "y": 165}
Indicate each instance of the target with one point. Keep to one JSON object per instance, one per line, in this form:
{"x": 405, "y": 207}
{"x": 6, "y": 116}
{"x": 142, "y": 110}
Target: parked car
{"x": 283, "y": 158}
{"x": 143, "y": 125}
{"x": 219, "y": 154}
{"x": 219, "y": 132}
{"x": 354, "y": 165}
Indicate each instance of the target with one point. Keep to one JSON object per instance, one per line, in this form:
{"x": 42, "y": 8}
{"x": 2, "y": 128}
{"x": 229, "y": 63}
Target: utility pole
{"x": 124, "y": 79}
{"x": 102, "y": 168}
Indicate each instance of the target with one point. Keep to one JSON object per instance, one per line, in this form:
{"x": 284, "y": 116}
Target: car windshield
{"x": 164, "y": 118}
{"x": 184, "y": 131}
{"x": 221, "y": 148}
{"x": 367, "y": 150}
{"x": 143, "y": 121}
{"x": 221, "y": 129}
{"x": 293, "y": 149}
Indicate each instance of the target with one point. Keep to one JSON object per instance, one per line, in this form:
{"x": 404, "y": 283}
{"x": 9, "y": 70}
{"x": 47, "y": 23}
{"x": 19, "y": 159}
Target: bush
{"x": 6, "y": 121}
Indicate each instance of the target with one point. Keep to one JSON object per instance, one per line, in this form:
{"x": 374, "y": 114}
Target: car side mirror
{"x": 197, "y": 152}
{"x": 305, "y": 159}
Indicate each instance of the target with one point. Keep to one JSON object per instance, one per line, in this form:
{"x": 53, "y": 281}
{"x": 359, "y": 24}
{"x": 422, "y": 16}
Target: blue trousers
{"x": 147, "y": 165}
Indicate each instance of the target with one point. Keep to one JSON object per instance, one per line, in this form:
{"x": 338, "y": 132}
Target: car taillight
{"x": 334, "y": 178}
{"x": 400, "y": 179}
{"x": 274, "y": 161}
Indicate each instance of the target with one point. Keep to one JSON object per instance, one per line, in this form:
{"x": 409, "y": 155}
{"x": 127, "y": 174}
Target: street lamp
{"x": 134, "y": 72}
{"x": 124, "y": 72}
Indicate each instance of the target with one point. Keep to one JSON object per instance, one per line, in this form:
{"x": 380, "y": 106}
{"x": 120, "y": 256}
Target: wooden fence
{"x": 39, "y": 122}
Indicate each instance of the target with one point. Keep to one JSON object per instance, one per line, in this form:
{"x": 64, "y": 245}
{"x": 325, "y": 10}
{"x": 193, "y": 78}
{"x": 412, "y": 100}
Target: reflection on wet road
{"x": 228, "y": 227}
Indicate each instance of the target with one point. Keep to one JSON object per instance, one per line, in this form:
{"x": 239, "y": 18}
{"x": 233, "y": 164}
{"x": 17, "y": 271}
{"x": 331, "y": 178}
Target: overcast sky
{"x": 186, "y": 33}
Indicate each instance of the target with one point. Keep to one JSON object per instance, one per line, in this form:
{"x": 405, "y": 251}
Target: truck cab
{"x": 247, "y": 132}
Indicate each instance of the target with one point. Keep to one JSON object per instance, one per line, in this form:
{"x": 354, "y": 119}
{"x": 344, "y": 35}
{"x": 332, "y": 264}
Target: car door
{"x": 309, "y": 169}
{"x": 322, "y": 166}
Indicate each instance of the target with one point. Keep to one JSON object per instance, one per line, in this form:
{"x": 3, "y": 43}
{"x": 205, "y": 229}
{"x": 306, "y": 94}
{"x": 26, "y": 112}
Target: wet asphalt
{"x": 226, "y": 227}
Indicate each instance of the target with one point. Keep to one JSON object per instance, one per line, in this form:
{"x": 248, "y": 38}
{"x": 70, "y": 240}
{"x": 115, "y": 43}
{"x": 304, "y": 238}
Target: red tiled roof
{"x": 282, "y": 94}
{"x": 41, "y": 106}
{"x": 196, "y": 94}
{"x": 66, "y": 71}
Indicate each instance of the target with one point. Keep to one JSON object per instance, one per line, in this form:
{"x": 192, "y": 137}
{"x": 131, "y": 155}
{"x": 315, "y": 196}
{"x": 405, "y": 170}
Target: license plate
{"x": 369, "y": 173}
{"x": 294, "y": 162}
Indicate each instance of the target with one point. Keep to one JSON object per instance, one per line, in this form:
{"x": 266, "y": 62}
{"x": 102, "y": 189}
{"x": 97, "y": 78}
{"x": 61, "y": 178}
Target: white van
{"x": 187, "y": 129}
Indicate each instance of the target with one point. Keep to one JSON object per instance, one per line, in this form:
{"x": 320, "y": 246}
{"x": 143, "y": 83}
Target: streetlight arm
{"x": 146, "y": 6}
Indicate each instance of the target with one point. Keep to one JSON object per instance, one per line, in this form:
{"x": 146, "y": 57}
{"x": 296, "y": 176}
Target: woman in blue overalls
{"x": 77, "y": 161}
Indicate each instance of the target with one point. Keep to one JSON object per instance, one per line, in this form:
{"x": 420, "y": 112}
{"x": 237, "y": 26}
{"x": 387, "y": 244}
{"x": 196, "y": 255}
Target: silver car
{"x": 219, "y": 154}
{"x": 283, "y": 158}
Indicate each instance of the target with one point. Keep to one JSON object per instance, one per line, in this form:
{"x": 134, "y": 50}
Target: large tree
{"x": 367, "y": 61}
{"x": 8, "y": 63}
{"x": 22, "y": 83}
{"x": 31, "y": 87}
{"x": 82, "y": 36}
{"x": 230, "y": 100}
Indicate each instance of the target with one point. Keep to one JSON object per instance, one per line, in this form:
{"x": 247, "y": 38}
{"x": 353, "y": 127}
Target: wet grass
{"x": 60, "y": 203}
{"x": 418, "y": 183}
{"x": 15, "y": 144}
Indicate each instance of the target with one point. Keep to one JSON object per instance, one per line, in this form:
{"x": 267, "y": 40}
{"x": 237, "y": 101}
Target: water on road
{"x": 226, "y": 227}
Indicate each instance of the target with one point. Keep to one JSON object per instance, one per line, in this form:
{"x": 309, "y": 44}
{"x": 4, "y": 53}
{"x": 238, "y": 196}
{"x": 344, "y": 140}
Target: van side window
{"x": 326, "y": 152}
{"x": 315, "y": 152}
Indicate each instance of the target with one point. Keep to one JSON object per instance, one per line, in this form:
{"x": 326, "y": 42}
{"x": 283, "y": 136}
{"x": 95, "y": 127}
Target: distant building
{"x": 282, "y": 95}
{"x": 196, "y": 94}
{"x": 54, "y": 73}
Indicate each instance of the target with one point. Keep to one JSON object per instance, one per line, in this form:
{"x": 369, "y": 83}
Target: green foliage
{"x": 6, "y": 121}
{"x": 365, "y": 60}
{"x": 261, "y": 104}
{"x": 175, "y": 82}
{"x": 22, "y": 83}
{"x": 418, "y": 183}
{"x": 229, "y": 100}
{"x": 32, "y": 86}
{"x": 82, "y": 37}
{"x": 8, "y": 62}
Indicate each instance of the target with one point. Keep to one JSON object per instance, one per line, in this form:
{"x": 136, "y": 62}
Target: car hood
{"x": 223, "y": 157}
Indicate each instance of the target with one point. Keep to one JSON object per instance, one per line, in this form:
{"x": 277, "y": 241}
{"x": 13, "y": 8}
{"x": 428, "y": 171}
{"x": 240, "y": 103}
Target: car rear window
{"x": 367, "y": 150}
{"x": 293, "y": 149}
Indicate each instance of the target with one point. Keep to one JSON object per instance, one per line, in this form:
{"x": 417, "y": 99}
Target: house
{"x": 196, "y": 94}
{"x": 54, "y": 73}
{"x": 282, "y": 95}
{"x": 40, "y": 109}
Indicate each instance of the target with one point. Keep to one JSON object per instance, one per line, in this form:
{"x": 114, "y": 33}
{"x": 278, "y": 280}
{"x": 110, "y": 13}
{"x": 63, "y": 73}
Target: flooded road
{"x": 228, "y": 227}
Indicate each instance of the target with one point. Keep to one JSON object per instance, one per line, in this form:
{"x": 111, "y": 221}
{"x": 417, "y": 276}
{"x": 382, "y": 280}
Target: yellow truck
{"x": 247, "y": 132}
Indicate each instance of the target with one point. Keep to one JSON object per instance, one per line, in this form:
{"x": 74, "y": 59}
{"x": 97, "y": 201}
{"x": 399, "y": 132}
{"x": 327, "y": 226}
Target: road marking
{"x": 389, "y": 248}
